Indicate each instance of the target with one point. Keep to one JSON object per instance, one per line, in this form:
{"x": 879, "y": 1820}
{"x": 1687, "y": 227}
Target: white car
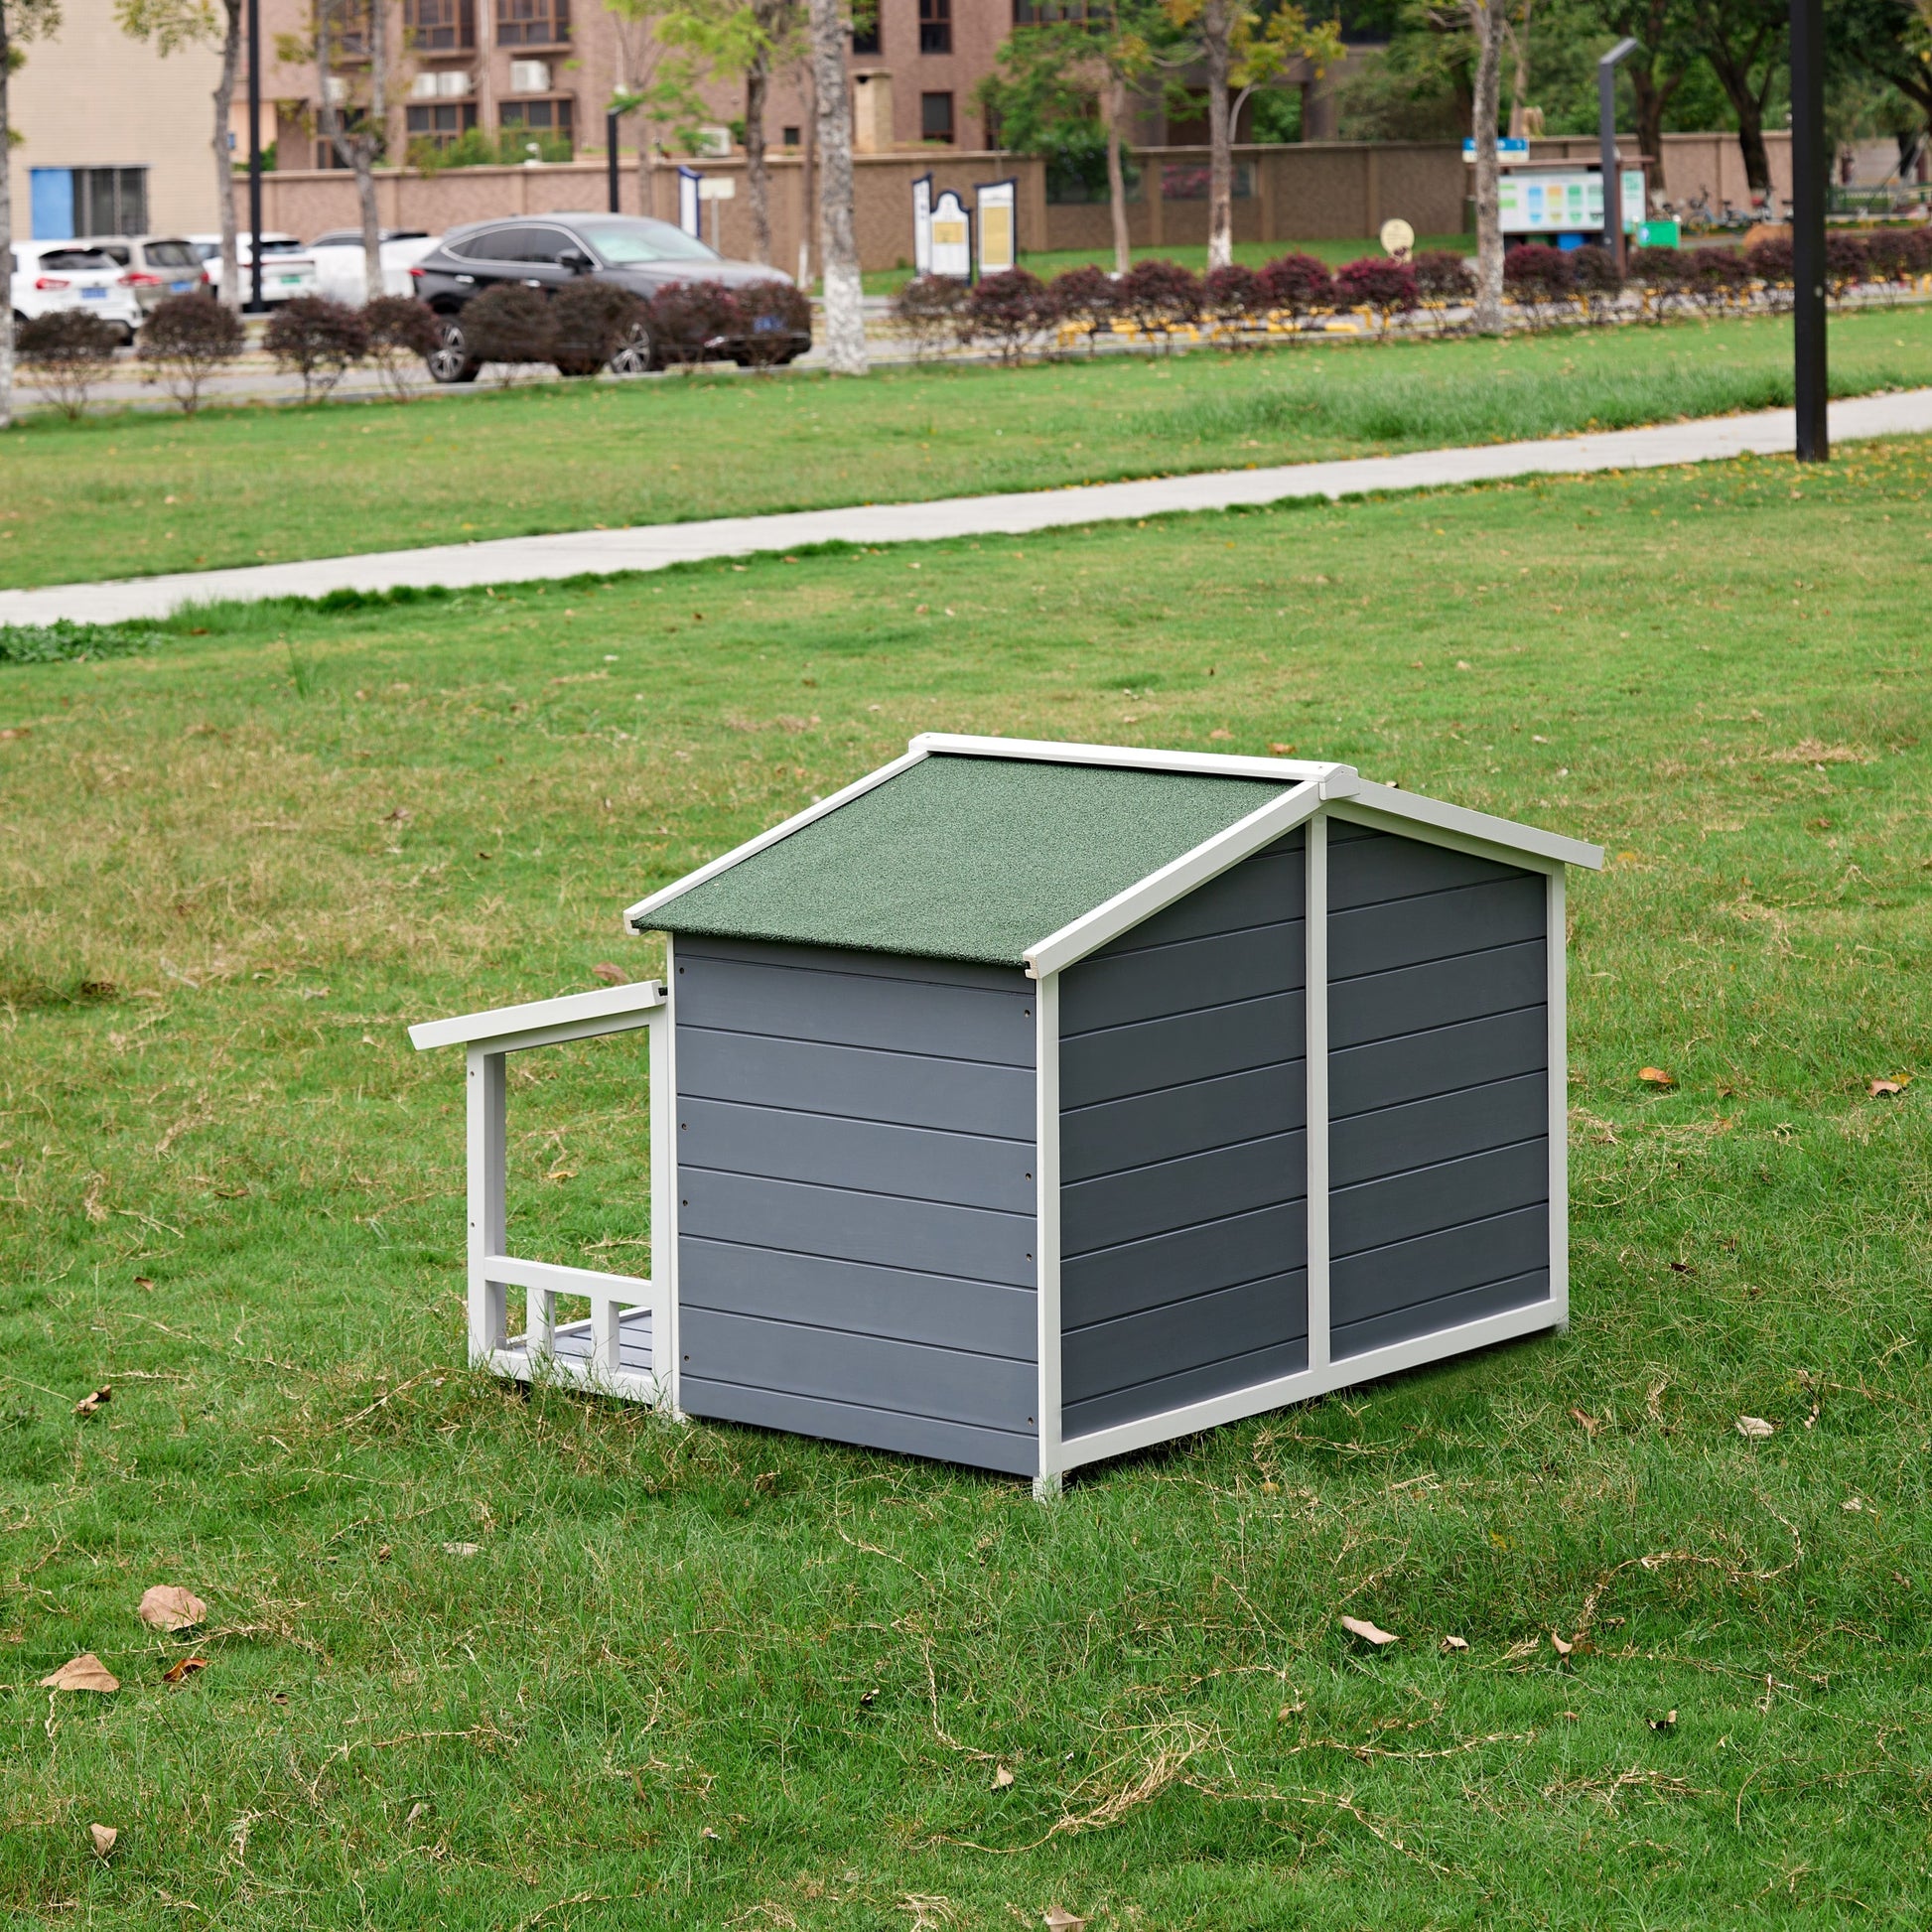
{"x": 341, "y": 272}
{"x": 288, "y": 269}
{"x": 51, "y": 275}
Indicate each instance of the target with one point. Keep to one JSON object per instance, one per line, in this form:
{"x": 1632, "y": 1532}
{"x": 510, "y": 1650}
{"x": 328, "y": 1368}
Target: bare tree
{"x": 173, "y": 24}
{"x": 358, "y": 143}
{"x": 20, "y": 20}
{"x": 838, "y": 248}
{"x": 1488, "y": 20}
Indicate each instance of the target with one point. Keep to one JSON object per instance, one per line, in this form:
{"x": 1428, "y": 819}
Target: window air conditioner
{"x": 529, "y": 76}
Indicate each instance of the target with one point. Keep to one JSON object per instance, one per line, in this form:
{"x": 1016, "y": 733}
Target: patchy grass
{"x": 705, "y": 1677}
{"x": 134, "y": 495}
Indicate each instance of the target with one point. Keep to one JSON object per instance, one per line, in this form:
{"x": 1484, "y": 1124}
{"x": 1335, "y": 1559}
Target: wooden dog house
{"x": 1024, "y": 1104}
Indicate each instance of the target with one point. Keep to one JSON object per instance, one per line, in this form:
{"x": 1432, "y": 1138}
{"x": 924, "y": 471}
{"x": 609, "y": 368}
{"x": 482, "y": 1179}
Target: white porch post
{"x": 1315, "y": 1037}
{"x": 486, "y": 1186}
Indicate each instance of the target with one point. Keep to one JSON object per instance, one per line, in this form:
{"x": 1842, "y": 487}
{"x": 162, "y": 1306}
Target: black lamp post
{"x": 610, "y": 186}
{"x": 1810, "y": 172}
{"x": 1606, "y": 145}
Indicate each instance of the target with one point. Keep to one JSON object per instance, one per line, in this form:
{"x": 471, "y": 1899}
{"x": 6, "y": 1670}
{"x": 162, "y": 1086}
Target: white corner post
{"x": 667, "y": 1356}
{"x": 588, "y": 1352}
{"x": 1316, "y": 1040}
{"x": 1557, "y": 955}
{"x": 487, "y": 1126}
{"x": 1046, "y": 1229}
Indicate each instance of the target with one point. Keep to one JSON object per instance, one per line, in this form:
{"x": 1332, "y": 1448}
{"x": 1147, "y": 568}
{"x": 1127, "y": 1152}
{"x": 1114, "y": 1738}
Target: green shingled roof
{"x": 965, "y": 858}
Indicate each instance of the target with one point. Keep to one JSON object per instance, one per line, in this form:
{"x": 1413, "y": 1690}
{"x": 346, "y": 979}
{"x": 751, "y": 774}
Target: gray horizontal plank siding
{"x": 1190, "y": 1118}
{"x": 856, "y": 1083}
{"x": 1155, "y": 1055}
{"x": 856, "y": 1186}
{"x": 923, "y": 1164}
{"x": 1438, "y": 1083}
{"x": 1444, "y": 993}
{"x": 1183, "y": 1089}
{"x": 1013, "y": 1451}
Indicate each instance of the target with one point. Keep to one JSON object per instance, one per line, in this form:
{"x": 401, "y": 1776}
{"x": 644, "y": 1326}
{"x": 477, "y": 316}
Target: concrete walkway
{"x": 511, "y": 560}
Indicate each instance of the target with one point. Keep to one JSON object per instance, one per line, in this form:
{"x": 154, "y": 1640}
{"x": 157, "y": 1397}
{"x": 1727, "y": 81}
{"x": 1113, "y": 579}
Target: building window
{"x": 546, "y": 125}
{"x": 935, "y": 32}
{"x": 532, "y": 23}
{"x": 1040, "y": 13}
{"x": 441, "y": 125}
{"x": 88, "y": 201}
{"x": 935, "y": 117}
{"x": 865, "y": 26}
{"x": 790, "y": 138}
{"x": 440, "y": 26}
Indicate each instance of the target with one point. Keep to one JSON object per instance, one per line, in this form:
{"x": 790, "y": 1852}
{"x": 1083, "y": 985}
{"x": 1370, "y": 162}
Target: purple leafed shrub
{"x": 1385, "y": 287}
{"x": 510, "y": 326}
{"x": 184, "y": 341}
{"x": 1011, "y": 309}
{"x": 775, "y": 314}
{"x": 1087, "y": 298}
{"x": 931, "y": 309}
{"x": 1663, "y": 274}
{"x": 1847, "y": 262}
{"x": 1537, "y": 276}
{"x": 63, "y": 354}
{"x": 319, "y": 338}
{"x": 590, "y": 322}
{"x": 1233, "y": 296}
{"x": 1160, "y": 296}
{"x": 403, "y": 334}
{"x": 1297, "y": 285}
{"x": 693, "y": 322}
{"x": 1444, "y": 281}
{"x": 1716, "y": 278}
{"x": 1594, "y": 283}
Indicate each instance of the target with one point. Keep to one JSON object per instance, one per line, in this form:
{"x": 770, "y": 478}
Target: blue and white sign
{"x": 1508, "y": 148}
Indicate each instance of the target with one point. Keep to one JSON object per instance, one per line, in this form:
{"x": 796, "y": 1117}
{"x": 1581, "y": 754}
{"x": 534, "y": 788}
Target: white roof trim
{"x": 570, "y": 1016}
{"x": 637, "y": 916}
{"x": 1503, "y": 832}
{"x": 1177, "y": 879}
{"x": 1133, "y": 758}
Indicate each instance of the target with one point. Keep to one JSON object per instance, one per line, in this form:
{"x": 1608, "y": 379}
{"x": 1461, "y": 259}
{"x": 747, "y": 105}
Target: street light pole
{"x": 1810, "y": 172}
{"x": 610, "y": 190}
{"x": 255, "y": 155}
{"x": 1606, "y": 145}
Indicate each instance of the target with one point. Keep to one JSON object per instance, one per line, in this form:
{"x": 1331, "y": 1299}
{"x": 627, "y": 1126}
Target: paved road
{"x": 511, "y": 560}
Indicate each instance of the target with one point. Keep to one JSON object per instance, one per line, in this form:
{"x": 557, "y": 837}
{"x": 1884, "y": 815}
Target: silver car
{"x": 153, "y": 266}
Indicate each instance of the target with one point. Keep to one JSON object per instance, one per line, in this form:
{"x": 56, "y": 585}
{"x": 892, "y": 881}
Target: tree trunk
{"x": 1117, "y": 173}
{"x": 1217, "y": 29}
{"x": 807, "y": 176}
{"x": 1733, "y": 71}
{"x": 224, "y": 161}
{"x": 757, "y": 177}
{"x": 6, "y": 229}
{"x": 1519, "y": 81}
{"x": 1750, "y": 137}
{"x": 368, "y": 145}
{"x": 838, "y": 248}
{"x": 1486, "y": 17}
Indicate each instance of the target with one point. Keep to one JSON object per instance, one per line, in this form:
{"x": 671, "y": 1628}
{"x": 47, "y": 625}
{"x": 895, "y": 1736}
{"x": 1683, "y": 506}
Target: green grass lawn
{"x": 707, "y": 1677}
{"x": 131, "y": 494}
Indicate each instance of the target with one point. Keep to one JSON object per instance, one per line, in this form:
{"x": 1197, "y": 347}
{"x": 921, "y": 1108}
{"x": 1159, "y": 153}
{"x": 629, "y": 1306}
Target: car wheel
{"x": 450, "y": 360}
{"x": 636, "y": 357}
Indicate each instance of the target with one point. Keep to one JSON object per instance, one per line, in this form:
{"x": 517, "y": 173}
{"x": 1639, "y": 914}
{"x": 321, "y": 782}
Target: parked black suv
{"x": 546, "y": 252}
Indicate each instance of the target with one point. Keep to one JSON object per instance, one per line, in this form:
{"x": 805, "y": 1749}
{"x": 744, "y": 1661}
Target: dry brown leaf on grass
{"x": 1002, "y": 1777}
{"x": 184, "y": 1668}
{"x": 1656, "y": 1076}
{"x": 1887, "y": 1086}
{"x": 461, "y": 1549}
{"x": 1559, "y": 1646}
{"x": 1756, "y": 1428}
{"x": 98, "y": 1399}
{"x": 103, "y": 1837}
{"x": 1360, "y": 1626}
{"x": 1590, "y": 1423}
{"x": 169, "y": 1606}
{"x": 1666, "y": 1723}
{"x": 610, "y": 974}
{"x": 1061, "y": 1921}
{"x": 1455, "y": 1643}
{"x": 83, "y": 1673}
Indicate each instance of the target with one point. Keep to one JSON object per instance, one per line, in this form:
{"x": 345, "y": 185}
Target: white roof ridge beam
{"x": 1136, "y": 757}
{"x": 573, "y": 1012}
{"x": 1507, "y": 833}
{"x": 637, "y": 918}
{"x": 1176, "y": 880}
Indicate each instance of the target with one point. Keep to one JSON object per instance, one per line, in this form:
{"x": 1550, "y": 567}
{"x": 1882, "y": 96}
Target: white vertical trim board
{"x": 484, "y": 1112}
{"x": 1314, "y": 1006}
{"x": 666, "y": 1343}
{"x": 1047, "y": 1228}
{"x": 1556, "y": 951}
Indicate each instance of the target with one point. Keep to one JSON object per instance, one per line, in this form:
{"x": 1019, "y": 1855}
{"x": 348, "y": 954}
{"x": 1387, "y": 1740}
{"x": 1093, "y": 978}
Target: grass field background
{"x": 132, "y": 494}
{"x": 706, "y": 1677}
